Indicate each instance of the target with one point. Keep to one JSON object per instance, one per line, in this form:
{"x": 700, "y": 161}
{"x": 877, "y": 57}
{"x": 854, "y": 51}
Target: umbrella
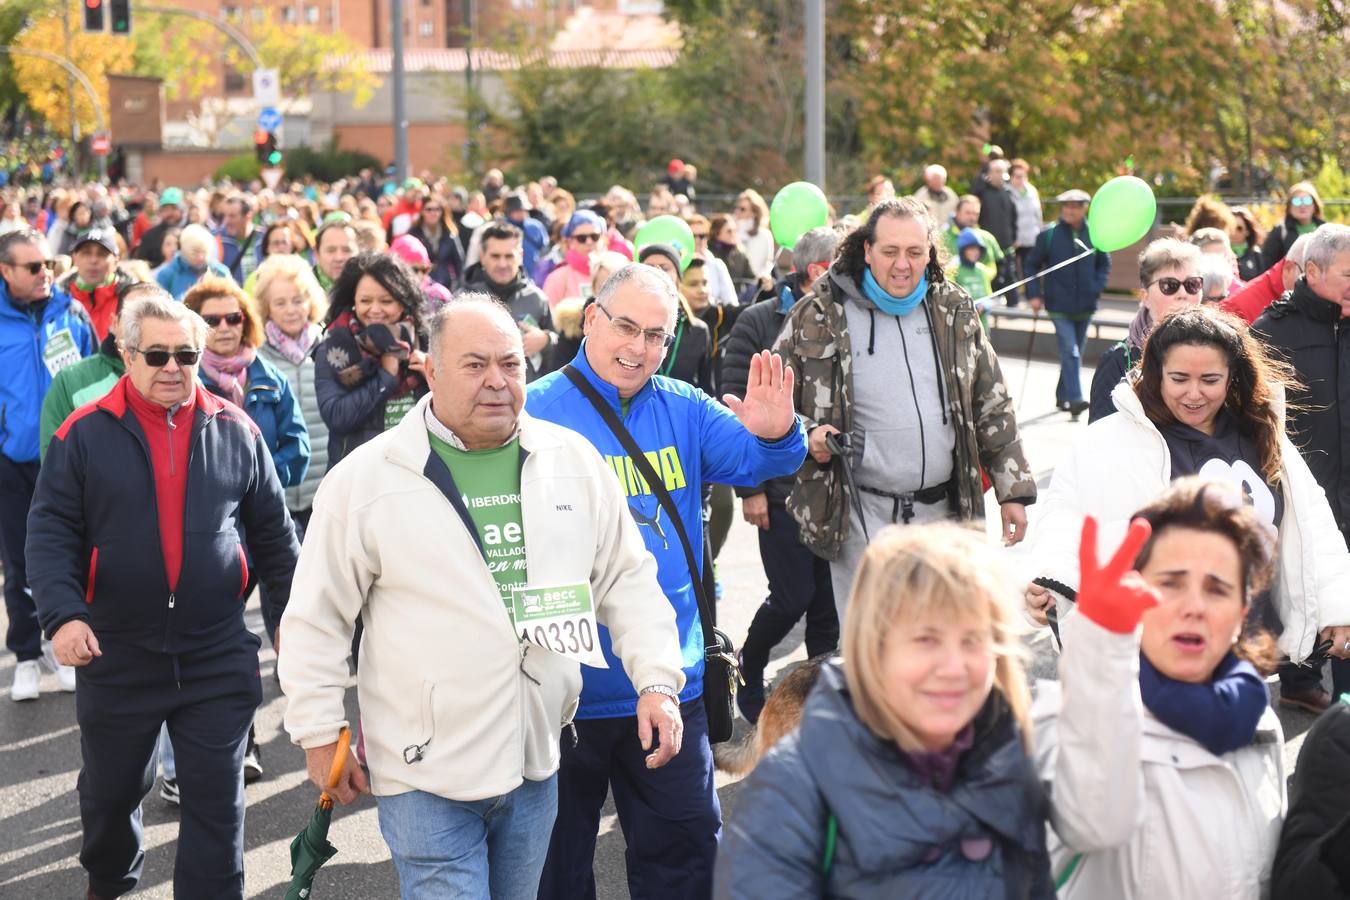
{"x": 311, "y": 849}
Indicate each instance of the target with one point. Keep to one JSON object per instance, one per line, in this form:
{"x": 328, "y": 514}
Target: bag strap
{"x": 644, "y": 468}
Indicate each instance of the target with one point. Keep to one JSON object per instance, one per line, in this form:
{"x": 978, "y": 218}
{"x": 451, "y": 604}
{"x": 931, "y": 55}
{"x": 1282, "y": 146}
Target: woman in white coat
{"x": 1163, "y": 759}
{"x": 1206, "y": 402}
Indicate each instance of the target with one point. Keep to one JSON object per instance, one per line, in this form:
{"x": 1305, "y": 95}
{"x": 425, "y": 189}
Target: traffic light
{"x": 93, "y": 15}
{"x": 265, "y": 147}
{"x": 120, "y": 12}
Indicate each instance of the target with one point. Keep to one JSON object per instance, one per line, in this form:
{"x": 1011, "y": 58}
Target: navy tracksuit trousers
{"x": 670, "y": 816}
{"x": 208, "y": 699}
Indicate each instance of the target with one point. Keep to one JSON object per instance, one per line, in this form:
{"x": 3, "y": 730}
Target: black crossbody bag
{"x": 721, "y": 674}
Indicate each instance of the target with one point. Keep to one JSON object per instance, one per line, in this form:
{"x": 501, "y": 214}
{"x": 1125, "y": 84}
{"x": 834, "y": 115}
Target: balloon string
{"x": 1059, "y": 265}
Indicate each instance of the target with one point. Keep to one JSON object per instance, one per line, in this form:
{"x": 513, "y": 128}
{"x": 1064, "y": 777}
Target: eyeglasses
{"x": 585, "y": 238}
{"x": 1300, "y": 201}
{"x": 35, "y": 267}
{"x": 701, "y": 237}
{"x": 158, "y": 359}
{"x": 627, "y": 328}
{"x": 234, "y": 318}
{"x": 1169, "y": 286}
{"x": 421, "y": 270}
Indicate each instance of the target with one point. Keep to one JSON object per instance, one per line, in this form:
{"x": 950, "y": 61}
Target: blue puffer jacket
{"x": 24, "y": 376}
{"x": 271, "y": 405}
{"x": 897, "y": 835}
{"x": 1074, "y": 289}
{"x": 690, "y": 439}
{"x": 177, "y": 277}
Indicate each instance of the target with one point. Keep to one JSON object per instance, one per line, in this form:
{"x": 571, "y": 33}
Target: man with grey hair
{"x": 145, "y": 600}
{"x": 1263, "y": 290}
{"x": 42, "y": 331}
{"x": 799, "y": 581}
{"x": 463, "y": 692}
{"x": 611, "y": 394}
{"x": 1306, "y": 327}
{"x": 935, "y": 195}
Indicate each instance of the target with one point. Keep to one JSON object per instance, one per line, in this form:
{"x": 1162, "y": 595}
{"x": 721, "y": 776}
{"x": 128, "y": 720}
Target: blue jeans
{"x": 1070, "y": 336}
{"x": 489, "y": 849}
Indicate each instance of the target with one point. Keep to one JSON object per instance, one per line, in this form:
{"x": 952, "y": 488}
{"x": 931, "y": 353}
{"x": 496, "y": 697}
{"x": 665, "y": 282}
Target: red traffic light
{"x": 93, "y": 4}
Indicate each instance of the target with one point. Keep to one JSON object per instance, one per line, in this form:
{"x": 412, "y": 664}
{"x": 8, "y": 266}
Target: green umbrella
{"x": 311, "y": 848}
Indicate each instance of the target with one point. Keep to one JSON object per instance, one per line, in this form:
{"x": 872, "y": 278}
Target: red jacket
{"x": 1260, "y": 292}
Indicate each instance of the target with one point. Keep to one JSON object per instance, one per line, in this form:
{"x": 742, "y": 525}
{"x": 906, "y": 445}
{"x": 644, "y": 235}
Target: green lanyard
{"x": 674, "y": 350}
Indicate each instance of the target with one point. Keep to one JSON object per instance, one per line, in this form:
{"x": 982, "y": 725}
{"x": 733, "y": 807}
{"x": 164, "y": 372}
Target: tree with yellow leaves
{"x": 301, "y": 54}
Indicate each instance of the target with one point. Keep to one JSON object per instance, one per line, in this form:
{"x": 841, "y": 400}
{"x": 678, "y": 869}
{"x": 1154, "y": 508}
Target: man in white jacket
{"x": 481, "y": 548}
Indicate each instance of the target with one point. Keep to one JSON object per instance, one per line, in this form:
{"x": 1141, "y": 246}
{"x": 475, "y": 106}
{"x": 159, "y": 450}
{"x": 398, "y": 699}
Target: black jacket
{"x": 1249, "y": 264}
{"x": 690, "y": 359}
{"x": 1306, "y": 332}
{"x": 756, "y": 329}
{"x": 93, "y": 531}
{"x": 898, "y": 836}
{"x": 1313, "y": 859}
{"x": 447, "y": 260}
{"x": 1280, "y": 240}
{"x": 998, "y": 213}
{"x": 1110, "y": 369}
{"x": 151, "y": 246}
{"x": 526, "y": 302}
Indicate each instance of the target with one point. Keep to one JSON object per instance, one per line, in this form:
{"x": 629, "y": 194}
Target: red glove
{"x": 1115, "y": 597}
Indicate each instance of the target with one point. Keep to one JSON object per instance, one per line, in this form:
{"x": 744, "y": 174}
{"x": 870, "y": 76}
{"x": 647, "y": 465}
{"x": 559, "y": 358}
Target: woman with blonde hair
{"x": 291, "y": 304}
{"x": 752, "y": 220}
{"x": 1302, "y": 215}
{"x": 910, "y": 773}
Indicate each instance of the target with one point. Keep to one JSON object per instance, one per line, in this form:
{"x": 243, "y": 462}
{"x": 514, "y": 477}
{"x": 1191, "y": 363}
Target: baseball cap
{"x": 102, "y": 236}
{"x": 171, "y": 197}
{"x": 1074, "y": 196}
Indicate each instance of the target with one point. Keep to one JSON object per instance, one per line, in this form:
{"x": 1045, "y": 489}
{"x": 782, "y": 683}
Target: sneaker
{"x": 65, "y": 675}
{"x": 1315, "y": 699}
{"x": 27, "y": 674}
{"x": 253, "y": 769}
{"x": 168, "y": 789}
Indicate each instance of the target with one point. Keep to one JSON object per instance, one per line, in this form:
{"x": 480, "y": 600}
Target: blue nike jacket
{"x": 690, "y": 439}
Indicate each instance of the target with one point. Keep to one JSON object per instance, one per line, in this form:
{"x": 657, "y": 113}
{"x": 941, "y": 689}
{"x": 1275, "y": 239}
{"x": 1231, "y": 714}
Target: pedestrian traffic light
{"x": 264, "y": 146}
{"x": 93, "y": 15}
{"x": 120, "y": 12}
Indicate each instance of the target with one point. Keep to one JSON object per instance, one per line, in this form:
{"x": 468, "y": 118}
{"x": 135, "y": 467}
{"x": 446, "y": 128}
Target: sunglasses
{"x": 35, "y": 267}
{"x": 234, "y": 318}
{"x": 1301, "y": 201}
{"x": 701, "y": 237}
{"x": 1169, "y": 286}
{"x": 421, "y": 270}
{"x": 158, "y": 359}
{"x": 585, "y": 238}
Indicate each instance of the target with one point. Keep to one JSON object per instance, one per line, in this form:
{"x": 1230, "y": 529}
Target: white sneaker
{"x": 27, "y": 674}
{"x": 65, "y": 675}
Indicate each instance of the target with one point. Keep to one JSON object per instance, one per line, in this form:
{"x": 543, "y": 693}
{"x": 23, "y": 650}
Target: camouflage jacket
{"x": 815, "y": 343}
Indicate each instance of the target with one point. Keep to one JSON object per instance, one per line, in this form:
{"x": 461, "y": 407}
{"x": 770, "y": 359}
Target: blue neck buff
{"x": 894, "y": 306}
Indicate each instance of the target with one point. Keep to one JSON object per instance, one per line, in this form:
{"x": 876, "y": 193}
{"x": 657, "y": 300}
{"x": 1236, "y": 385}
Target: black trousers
{"x": 799, "y": 585}
{"x": 208, "y": 699}
{"x": 17, "y": 482}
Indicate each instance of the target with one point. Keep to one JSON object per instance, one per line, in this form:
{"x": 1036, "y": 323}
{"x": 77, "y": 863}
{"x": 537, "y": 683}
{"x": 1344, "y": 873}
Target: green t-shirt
{"x": 489, "y": 481}
{"x": 977, "y": 279}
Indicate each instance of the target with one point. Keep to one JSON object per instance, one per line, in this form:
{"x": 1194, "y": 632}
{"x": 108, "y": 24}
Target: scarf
{"x": 720, "y": 249}
{"x": 1221, "y": 715}
{"x": 230, "y": 373}
{"x": 294, "y": 349}
{"x": 1240, "y": 250}
{"x": 939, "y": 768}
{"x": 352, "y": 354}
{"x": 1140, "y": 327}
{"x": 894, "y": 306}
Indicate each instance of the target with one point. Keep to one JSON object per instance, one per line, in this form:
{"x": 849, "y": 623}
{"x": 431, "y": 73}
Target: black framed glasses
{"x": 158, "y": 359}
{"x": 33, "y": 268}
{"x": 627, "y": 328}
{"x": 234, "y": 318}
{"x": 585, "y": 238}
{"x": 1169, "y": 286}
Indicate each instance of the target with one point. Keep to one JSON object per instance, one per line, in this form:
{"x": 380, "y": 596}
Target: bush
{"x": 240, "y": 169}
{"x": 327, "y": 164}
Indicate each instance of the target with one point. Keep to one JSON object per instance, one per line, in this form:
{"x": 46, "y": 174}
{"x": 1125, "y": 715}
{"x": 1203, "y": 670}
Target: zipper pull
{"x": 171, "y": 601}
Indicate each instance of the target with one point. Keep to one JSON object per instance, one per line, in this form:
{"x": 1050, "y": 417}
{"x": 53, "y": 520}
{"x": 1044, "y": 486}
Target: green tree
{"x": 303, "y": 55}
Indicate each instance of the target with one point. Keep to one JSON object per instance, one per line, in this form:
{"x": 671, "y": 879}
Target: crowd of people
{"x": 479, "y": 451}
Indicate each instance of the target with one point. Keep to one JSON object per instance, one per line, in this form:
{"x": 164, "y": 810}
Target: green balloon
{"x": 796, "y": 209}
{"x": 670, "y": 230}
{"x": 1122, "y": 213}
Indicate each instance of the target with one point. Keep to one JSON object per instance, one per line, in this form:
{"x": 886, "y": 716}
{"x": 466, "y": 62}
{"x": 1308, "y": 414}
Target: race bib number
{"x": 396, "y": 408}
{"x": 60, "y": 352}
{"x": 559, "y": 619}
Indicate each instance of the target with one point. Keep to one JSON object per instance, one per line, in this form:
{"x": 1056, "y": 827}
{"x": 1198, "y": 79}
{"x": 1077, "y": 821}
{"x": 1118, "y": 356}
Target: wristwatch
{"x": 660, "y": 689}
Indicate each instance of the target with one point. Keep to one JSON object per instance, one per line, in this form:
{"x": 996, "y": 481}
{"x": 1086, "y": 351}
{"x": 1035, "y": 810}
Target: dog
{"x": 781, "y": 715}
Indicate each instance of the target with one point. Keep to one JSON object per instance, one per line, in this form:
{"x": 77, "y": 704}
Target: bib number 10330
{"x": 559, "y": 619}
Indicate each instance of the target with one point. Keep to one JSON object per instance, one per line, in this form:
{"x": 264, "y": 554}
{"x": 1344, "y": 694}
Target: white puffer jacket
{"x": 1139, "y": 811}
{"x": 1122, "y": 462}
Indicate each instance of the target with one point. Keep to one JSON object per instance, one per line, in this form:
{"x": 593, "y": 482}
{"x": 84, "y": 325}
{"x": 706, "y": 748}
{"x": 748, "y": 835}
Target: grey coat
{"x": 300, "y": 497}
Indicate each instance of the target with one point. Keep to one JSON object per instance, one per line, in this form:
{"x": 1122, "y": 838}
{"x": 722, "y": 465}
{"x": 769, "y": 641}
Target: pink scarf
{"x": 230, "y": 373}
{"x": 294, "y": 349}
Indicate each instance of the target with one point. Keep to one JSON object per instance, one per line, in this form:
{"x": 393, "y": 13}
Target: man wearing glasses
{"x": 670, "y": 817}
{"x": 42, "y": 331}
{"x": 138, "y": 573}
{"x": 582, "y": 236}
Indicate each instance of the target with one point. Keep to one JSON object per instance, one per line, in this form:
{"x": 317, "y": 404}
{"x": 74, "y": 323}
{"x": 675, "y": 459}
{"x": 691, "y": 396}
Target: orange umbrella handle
{"x": 344, "y": 743}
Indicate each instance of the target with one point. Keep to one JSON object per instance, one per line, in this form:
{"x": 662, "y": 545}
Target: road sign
{"x": 269, "y": 118}
{"x": 266, "y": 87}
{"x": 271, "y": 177}
{"x": 100, "y": 145}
